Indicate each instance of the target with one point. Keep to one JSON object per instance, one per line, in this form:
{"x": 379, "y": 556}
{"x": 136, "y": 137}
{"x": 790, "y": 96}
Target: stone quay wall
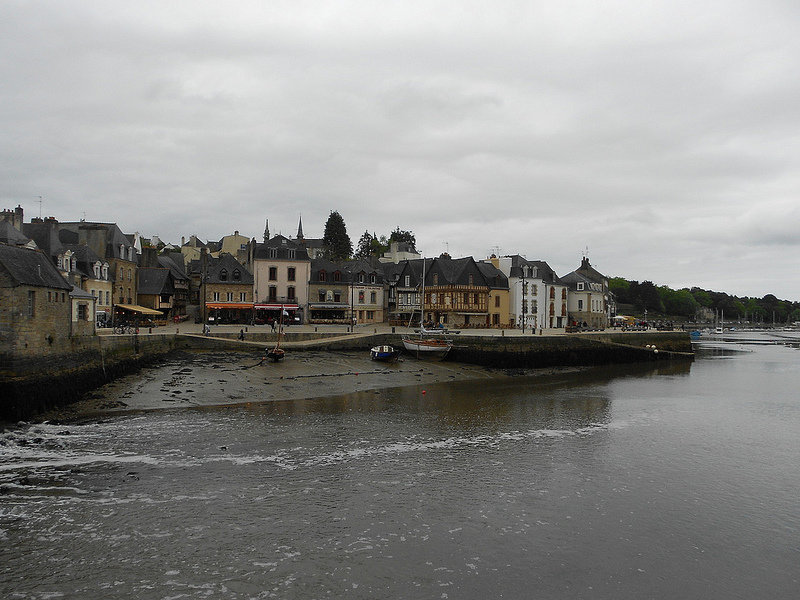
{"x": 30, "y": 384}
{"x": 33, "y": 384}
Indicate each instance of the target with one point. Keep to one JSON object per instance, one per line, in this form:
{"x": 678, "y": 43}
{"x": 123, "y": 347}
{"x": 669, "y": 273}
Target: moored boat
{"x": 427, "y": 347}
{"x": 384, "y": 353}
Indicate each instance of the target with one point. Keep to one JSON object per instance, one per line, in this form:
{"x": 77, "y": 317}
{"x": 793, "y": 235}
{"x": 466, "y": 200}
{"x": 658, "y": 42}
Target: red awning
{"x": 276, "y": 306}
{"x": 240, "y": 305}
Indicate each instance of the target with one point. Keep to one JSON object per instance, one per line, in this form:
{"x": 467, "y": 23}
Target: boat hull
{"x": 384, "y": 353}
{"x": 436, "y": 347}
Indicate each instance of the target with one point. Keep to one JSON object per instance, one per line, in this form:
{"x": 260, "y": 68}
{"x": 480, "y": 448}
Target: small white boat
{"x": 428, "y": 347}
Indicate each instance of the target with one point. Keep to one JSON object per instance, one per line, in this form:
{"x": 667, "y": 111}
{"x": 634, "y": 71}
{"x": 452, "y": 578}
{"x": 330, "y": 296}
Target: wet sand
{"x": 193, "y": 379}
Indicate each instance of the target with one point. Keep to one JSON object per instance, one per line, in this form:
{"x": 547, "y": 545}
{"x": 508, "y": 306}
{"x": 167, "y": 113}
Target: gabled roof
{"x": 176, "y": 267}
{"x": 493, "y": 276}
{"x": 230, "y": 265}
{"x": 154, "y": 281}
{"x": 31, "y": 267}
{"x": 323, "y": 264}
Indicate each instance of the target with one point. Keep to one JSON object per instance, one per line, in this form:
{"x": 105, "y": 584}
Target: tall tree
{"x": 364, "y": 246}
{"x": 336, "y": 241}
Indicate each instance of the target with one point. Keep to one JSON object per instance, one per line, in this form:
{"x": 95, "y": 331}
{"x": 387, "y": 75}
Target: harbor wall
{"x": 33, "y": 384}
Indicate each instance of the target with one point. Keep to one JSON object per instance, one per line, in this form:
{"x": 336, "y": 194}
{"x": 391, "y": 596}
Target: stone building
{"x": 226, "y": 287}
{"x": 328, "y": 293}
{"x": 588, "y": 296}
{"x": 35, "y": 306}
{"x": 105, "y": 240}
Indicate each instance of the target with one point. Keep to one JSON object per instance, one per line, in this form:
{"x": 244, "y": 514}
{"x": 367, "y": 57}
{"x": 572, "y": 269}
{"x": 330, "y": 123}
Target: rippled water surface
{"x": 680, "y": 482}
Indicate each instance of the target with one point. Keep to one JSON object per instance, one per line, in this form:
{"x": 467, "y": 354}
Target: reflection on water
{"x": 665, "y": 480}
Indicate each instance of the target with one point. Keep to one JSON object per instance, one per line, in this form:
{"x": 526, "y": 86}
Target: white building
{"x": 537, "y": 297}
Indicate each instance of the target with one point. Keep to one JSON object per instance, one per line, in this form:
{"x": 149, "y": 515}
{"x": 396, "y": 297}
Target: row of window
{"x": 597, "y": 287}
{"x": 291, "y": 274}
{"x": 99, "y": 296}
{"x": 229, "y": 297}
{"x": 223, "y": 275}
{"x": 337, "y": 276}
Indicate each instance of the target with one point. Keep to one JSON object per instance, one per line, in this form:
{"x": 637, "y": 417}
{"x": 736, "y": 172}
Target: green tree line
{"x": 661, "y": 300}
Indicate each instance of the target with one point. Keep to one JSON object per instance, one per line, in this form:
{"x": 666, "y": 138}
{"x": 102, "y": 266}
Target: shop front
{"x": 264, "y": 314}
{"x": 223, "y": 313}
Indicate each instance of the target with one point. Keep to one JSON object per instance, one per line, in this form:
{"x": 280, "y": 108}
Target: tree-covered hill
{"x": 697, "y": 303}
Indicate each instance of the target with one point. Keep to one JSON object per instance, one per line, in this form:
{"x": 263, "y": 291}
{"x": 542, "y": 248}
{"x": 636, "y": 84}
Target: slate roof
{"x": 154, "y": 282}
{"x": 230, "y": 265}
{"x": 176, "y": 267}
{"x": 31, "y": 267}
{"x": 330, "y": 267}
{"x": 543, "y": 270}
{"x": 282, "y": 245}
{"x": 493, "y": 276}
{"x": 11, "y": 235}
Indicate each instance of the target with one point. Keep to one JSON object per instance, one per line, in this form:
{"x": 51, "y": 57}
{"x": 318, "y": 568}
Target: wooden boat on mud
{"x": 384, "y": 353}
{"x": 277, "y": 353}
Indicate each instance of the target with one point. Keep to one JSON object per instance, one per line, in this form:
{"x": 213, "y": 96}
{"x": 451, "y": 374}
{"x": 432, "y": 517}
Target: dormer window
{"x": 223, "y": 275}
{"x": 337, "y": 276}
{"x": 291, "y": 253}
{"x": 237, "y": 275}
{"x": 273, "y": 253}
{"x": 470, "y": 279}
{"x": 96, "y": 269}
{"x": 435, "y": 279}
{"x": 408, "y": 281}
{"x": 130, "y": 254}
{"x": 323, "y": 276}
{"x": 580, "y": 286}
{"x": 361, "y": 278}
{"x": 372, "y": 278}
{"x": 105, "y": 271}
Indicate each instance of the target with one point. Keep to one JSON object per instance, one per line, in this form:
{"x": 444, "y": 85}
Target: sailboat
{"x": 422, "y": 345}
{"x": 277, "y": 353}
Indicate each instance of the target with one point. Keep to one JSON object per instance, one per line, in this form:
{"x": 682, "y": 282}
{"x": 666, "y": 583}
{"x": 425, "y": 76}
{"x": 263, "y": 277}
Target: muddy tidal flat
{"x": 195, "y": 379}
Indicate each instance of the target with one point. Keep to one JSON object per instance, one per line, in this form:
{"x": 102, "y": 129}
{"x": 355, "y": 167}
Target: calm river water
{"x": 678, "y": 482}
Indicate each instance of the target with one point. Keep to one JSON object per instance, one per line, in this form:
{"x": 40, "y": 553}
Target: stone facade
{"x": 35, "y": 320}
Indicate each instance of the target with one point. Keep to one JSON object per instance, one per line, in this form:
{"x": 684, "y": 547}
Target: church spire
{"x": 266, "y": 232}
{"x": 300, "y": 229}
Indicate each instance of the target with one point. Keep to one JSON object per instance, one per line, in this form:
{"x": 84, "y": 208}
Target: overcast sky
{"x": 662, "y": 136}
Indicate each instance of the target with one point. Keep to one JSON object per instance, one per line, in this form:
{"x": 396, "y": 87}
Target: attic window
{"x": 337, "y": 276}
{"x": 273, "y": 253}
{"x": 580, "y": 286}
{"x": 372, "y": 278}
{"x": 237, "y": 275}
{"x": 470, "y": 279}
{"x": 223, "y": 275}
{"x": 323, "y": 276}
{"x": 435, "y": 279}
